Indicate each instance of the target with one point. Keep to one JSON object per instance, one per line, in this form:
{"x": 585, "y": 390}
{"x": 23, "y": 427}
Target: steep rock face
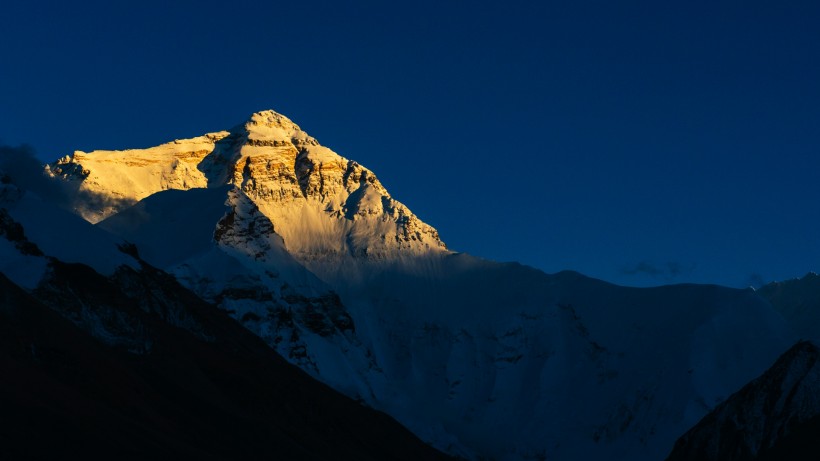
{"x": 299, "y": 184}
{"x": 324, "y": 206}
{"x": 770, "y": 415}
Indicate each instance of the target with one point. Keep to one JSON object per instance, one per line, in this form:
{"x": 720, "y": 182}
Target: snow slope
{"x": 482, "y": 359}
{"x": 518, "y": 364}
{"x": 217, "y": 243}
{"x": 55, "y": 233}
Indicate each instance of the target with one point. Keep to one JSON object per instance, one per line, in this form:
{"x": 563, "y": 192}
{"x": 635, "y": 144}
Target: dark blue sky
{"x": 643, "y": 144}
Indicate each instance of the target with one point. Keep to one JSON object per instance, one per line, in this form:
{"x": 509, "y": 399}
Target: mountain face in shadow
{"x": 776, "y": 416}
{"x": 135, "y": 366}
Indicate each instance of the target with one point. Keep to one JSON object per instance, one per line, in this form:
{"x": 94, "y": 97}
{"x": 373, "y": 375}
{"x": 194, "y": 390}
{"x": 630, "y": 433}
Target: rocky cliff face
{"x": 325, "y": 207}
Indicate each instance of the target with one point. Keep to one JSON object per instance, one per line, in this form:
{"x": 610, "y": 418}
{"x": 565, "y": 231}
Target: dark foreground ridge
{"x": 178, "y": 379}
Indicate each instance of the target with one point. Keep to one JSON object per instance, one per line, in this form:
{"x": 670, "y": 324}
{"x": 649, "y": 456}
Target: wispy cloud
{"x": 668, "y": 271}
{"x": 755, "y": 280}
{"x": 20, "y": 166}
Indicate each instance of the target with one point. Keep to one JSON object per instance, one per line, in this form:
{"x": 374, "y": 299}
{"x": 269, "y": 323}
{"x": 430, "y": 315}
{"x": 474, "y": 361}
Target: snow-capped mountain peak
{"x": 325, "y": 206}
{"x": 308, "y": 250}
{"x": 269, "y": 125}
